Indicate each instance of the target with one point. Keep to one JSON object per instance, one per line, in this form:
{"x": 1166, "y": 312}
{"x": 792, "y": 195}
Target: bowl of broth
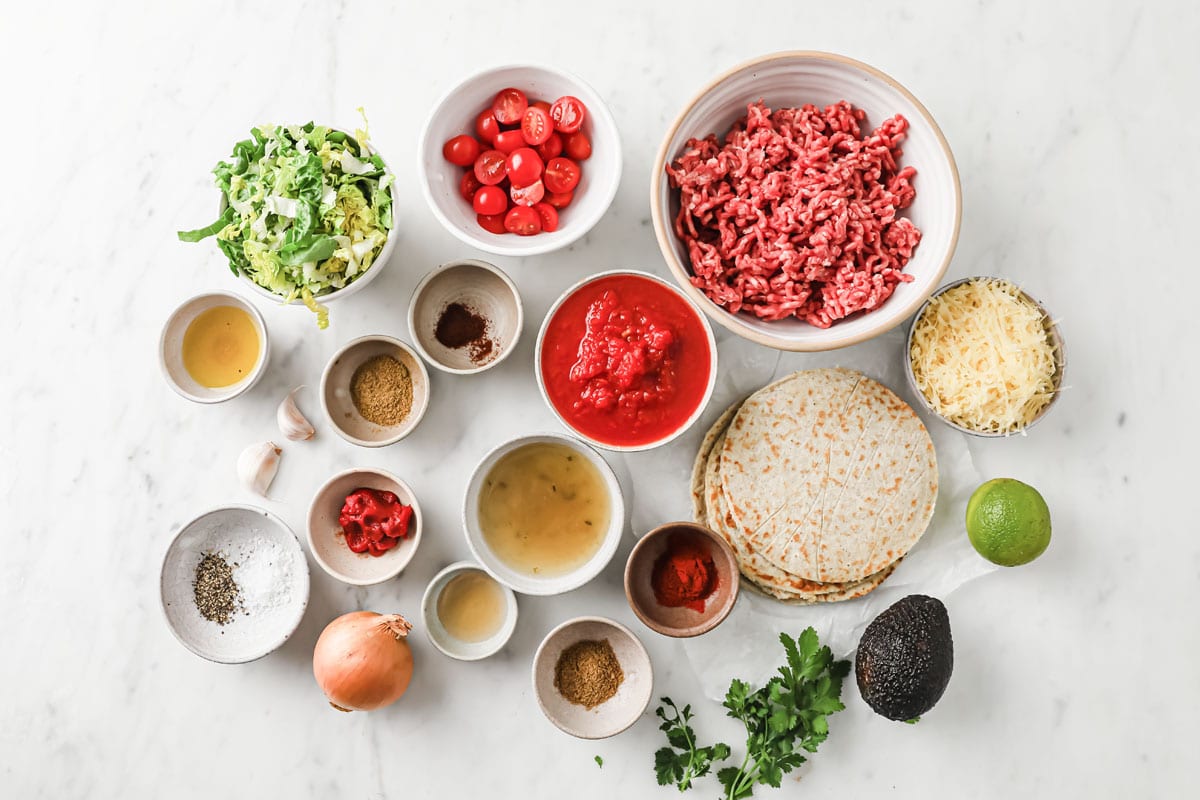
{"x": 543, "y": 514}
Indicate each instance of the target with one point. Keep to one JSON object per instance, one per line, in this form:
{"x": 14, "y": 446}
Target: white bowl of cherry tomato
{"x": 520, "y": 160}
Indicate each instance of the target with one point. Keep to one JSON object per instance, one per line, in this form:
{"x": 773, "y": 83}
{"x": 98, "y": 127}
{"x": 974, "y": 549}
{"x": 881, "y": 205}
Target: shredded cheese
{"x": 982, "y": 356}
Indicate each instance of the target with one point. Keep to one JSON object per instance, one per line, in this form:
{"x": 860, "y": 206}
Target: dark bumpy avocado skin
{"x": 905, "y": 658}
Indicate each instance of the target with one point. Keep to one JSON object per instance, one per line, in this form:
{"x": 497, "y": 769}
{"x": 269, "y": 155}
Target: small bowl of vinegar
{"x": 214, "y": 347}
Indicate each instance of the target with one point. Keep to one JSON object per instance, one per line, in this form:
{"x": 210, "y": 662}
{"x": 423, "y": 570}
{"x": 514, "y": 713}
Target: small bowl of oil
{"x": 468, "y": 614}
{"x": 214, "y": 347}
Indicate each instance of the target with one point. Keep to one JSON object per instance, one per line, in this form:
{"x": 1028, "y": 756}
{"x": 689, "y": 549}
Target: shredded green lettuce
{"x": 308, "y": 211}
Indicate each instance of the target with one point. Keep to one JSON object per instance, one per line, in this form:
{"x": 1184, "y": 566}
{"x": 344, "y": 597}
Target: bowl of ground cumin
{"x": 592, "y": 677}
{"x": 375, "y": 390}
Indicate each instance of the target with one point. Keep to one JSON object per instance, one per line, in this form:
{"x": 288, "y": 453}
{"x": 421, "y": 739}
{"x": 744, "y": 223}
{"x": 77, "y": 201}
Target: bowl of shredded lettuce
{"x": 306, "y": 213}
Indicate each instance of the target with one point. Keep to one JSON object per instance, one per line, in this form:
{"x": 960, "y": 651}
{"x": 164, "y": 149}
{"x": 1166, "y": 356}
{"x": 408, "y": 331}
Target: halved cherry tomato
{"x": 523, "y": 221}
{"x": 469, "y": 185}
{"x": 562, "y": 175}
{"x": 493, "y": 223}
{"x": 489, "y": 167}
{"x": 549, "y": 215}
{"x": 559, "y": 199}
{"x": 507, "y": 141}
{"x": 551, "y": 148}
{"x": 462, "y": 150}
{"x": 536, "y": 126}
{"x": 509, "y": 106}
{"x": 528, "y": 195}
{"x": 524, "y": 166}
{"x": 577, "y": 146}
{"x": 486, "y": 126}
{"x": 567, "y": 113}
{"x": 542, "y": 104}
{"x": 490, "y": 200}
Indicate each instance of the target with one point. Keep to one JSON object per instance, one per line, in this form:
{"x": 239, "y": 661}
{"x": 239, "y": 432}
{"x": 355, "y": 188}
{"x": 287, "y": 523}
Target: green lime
{"x": 1008, "y": 522}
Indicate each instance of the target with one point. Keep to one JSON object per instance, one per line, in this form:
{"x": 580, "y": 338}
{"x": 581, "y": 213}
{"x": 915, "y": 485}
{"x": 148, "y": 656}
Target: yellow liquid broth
{"x": 471, "y": 607}
{"x": 544, "y": 509}
{"x": 220, "y": 347}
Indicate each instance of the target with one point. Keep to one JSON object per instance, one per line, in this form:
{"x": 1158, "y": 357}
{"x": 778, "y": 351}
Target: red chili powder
{"x": 684, "y": 575}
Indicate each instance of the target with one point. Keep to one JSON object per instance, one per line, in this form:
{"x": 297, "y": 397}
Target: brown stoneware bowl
{"x": 680, "y": 622}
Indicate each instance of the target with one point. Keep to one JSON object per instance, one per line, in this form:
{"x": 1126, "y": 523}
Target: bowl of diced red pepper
{"x": 364, "y": 526}
{"x": 520, "y": 160}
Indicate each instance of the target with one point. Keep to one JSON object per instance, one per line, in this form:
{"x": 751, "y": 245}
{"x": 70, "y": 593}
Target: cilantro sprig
{"x": 784, "y": 720}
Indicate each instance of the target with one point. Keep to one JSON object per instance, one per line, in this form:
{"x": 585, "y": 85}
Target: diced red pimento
{"x": 374, "y": 521}
{"x": 515, "y": 175}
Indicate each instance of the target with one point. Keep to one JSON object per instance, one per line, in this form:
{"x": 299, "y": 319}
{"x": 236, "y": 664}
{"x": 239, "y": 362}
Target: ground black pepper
{"x": 216, "y": 593}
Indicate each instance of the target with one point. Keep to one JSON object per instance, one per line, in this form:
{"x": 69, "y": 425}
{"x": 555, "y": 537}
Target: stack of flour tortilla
{"x": 821, "y": 482}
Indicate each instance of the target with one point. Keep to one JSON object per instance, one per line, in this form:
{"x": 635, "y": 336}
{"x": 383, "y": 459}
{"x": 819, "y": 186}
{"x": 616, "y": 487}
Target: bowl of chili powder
{"x": 681, "y": 579}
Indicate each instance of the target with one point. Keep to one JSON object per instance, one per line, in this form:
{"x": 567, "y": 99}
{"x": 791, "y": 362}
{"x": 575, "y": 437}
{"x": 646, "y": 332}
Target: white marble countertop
{"x": 1074, "y": 676}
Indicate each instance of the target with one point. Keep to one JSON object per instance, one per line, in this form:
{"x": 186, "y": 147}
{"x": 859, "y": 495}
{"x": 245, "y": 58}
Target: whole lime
{"x": 1008, "y": 522}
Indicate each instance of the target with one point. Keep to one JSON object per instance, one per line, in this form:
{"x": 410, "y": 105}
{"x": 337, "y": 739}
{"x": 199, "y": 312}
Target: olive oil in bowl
{"x": 221, "y": 347}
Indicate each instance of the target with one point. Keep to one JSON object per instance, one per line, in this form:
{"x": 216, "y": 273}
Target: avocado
{"x": 905, "y": 658}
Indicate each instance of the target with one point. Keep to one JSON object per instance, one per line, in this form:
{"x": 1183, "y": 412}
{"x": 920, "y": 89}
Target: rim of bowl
{"x": 370, "y": 274}
{"x": 1053, "y": 331}
{"x": 664, "y": 234}
{"x": 428, "y": 610}
{"x": 238, "y": 388}
{"x": 712, "y": 374}
{"x": 708, "y": 624}
{"x": 306, "y": 581}
{"x": 598, "y": 109}
{"x": 582, "y": 575}
{"x": 415, "y": 538}
{"x": 639, "y": 646}
{"x": 424, "y": 283}
{"x": 420, "y": 411}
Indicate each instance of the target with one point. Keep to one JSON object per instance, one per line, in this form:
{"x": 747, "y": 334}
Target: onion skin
{"x": 363, "y": 661}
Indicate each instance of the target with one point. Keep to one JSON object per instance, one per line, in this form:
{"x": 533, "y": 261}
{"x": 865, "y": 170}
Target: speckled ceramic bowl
{"x": 447, "y": 643}
{"x": 339, "y": 405}
{"x": 170, "y": 348}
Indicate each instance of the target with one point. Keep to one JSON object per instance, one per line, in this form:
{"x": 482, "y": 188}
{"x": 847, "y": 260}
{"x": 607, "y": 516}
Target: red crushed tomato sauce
{"x": 374, "y": 521}
{"x": 625, "y": 360}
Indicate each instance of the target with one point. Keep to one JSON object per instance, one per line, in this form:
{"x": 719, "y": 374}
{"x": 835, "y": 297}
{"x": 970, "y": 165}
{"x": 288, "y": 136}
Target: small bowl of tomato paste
{"x": 626, "y": 360}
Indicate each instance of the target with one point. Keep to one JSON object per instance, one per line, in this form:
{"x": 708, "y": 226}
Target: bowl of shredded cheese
{"x": 985, "y": 357}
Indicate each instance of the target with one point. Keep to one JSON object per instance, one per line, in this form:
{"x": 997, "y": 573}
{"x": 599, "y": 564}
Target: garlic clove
{"x": 257, "y": 465}
{"x": 292, "y": 423}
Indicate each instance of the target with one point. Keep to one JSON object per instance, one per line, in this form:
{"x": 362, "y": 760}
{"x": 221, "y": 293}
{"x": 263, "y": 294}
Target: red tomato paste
{"x": 374, "y": 521}
{"x": 625, "y": 360}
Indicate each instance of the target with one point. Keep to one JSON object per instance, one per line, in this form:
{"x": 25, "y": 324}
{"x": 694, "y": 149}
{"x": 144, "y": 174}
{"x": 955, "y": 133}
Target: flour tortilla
{"x": 829, "y": 476}
{"x": 709, "y": 509}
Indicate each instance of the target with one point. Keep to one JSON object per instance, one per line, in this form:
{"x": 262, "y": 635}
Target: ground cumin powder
{"x": 588, "y": 673}
{"x": 382, "y": 390}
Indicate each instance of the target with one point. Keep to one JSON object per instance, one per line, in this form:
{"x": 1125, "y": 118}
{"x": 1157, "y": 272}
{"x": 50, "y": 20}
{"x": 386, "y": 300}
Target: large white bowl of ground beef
{"x": 806, "y": 201}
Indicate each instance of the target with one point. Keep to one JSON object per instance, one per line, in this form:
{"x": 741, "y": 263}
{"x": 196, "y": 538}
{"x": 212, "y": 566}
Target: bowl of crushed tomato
{"x": 681, "y": 579}
{"x": 626, "y": 360}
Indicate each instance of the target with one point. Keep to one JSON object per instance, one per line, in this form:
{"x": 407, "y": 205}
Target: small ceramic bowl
{"x": 680, "y": 622}
{"x": 455, "y": 114}
{"x": 339, "y": 406}
{"x": 522, "y": 581}
{"x": 712, "y": 361}
{"x": 790, "y": 80}
{"x": 269, "y": 568}
{"x": 442, "y": 639}
{"x": 1052, "y": 332}
{"x": 170, "y": 348}
{"x": 325, "y": 539}
{"x": 623, "y": 708}
{"x": 480, "y": 287}
{"x": 359, "y": 283}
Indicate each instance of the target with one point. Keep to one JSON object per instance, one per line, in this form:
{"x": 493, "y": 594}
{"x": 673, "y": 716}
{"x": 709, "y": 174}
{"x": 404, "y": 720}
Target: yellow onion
{"x": 363, "y": 661}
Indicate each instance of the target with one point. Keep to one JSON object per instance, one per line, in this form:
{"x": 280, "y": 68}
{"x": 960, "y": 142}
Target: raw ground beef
{"x": 796, "y": 213}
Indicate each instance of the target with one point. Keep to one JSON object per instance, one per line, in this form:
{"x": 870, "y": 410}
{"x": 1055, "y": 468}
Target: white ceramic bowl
{"x": 339, "y": 405}
{"x": 377, "y": 265}
{"x": 521, "y": 581}
{"x": 618, "y": 712}
{"x": 712, "y": 372}
{"x": 272, "y": 609}
{"x": 441, "y": 638}
{"x": 792, "y": 79}
{"x": 479, "y": 286}
{"x": 456, "y": 113}
{"x": 327, "y": 544}
{"x": 170, "y": 348}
